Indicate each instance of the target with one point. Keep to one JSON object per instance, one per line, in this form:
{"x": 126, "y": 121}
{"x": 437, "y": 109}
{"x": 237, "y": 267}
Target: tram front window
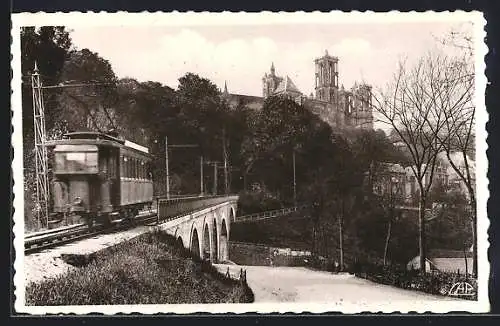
{"x": 76, "y": 162}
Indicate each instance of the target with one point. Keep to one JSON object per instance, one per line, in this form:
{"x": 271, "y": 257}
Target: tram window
{"x": 148, "y": 171}
{"x": 70, "y": 162}
{"x": 122, "y": 170}
{"x": 112, "y": 167}
{"x": 131, "y": 167}
{"x": 134, "y": 168}
{"x": 125, "y": 167}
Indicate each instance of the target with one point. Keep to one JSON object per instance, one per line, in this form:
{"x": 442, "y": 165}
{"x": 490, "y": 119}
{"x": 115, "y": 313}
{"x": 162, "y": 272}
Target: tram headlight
{"x": 76, "y": 205}
{"x": 77, "y": 201}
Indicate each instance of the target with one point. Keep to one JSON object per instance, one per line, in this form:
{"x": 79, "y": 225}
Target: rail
{"x": 167, "y": 209}
{"x": 58, "y": 237}
{"x": 269, "y": 214}
{"x": 170, "y": 209}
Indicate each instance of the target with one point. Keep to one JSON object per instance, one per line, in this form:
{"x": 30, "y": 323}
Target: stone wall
{"x": 262, "y": 255}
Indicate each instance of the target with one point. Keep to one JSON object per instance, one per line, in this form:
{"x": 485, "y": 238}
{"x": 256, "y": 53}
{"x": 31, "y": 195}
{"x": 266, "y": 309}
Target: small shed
{"x": 414, "y": 264}
{"x": 450, "y": 261}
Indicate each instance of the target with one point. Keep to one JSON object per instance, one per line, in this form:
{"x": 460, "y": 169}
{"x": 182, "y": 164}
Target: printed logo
{"x": 461, "y": 289}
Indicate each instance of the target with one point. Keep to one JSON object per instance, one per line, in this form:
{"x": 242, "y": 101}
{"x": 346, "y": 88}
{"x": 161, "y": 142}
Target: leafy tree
{"x": 49, "y": 47}
{"x": 89, "y": 103}
{"x": 325, "y": 173}
{"x": 201, "y": 111}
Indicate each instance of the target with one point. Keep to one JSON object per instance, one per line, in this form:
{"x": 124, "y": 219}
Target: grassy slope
{"x": 147, "y": 270}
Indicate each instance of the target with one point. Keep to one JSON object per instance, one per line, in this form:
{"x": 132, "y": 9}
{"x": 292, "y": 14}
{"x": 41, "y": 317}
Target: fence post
{"x": 157, "y": 211}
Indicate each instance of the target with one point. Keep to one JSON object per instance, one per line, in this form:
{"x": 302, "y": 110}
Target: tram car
{"x": 99, "y": 177}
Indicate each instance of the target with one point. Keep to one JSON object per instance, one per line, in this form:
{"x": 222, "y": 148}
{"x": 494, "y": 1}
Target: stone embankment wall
{"x": 262, "y": 255}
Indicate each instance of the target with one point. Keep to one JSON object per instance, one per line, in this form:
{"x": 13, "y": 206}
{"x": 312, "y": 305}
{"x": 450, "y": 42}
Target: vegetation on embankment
{"x": 151, "y": 269}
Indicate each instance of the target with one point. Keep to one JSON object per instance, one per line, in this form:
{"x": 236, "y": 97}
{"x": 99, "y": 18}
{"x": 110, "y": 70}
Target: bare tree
{"x": 458, "y": 136}
{"x": 409, "y": 107}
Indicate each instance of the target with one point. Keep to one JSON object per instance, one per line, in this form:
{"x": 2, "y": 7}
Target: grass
{"x": 151, "y": 269}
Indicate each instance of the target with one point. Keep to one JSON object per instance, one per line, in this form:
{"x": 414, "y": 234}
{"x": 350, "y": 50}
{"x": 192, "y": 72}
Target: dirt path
{"x": 296, "y": 284}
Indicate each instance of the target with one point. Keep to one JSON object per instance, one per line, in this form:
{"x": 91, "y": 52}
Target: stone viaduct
{"x": 206, "y": 231}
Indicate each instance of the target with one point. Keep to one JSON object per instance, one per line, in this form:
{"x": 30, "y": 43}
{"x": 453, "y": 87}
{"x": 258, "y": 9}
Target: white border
{"x": 74, "y": 19}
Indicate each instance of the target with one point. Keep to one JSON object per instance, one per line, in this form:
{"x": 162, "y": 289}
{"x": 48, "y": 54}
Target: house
{"x": 450, "y": 261}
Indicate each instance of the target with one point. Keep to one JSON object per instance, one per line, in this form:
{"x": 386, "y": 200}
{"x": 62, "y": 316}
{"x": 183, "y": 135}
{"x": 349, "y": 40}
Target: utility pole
{"x": 201, "y": 175}
{"x": 341, "y": 235}
{"x": 215, "y": 178}
{"x": 216, "y": 167}
{"x": 166, "y": 167}
{"x": 224, "y": 154}
{"x": 41, "y": 161}
{"x": 167, "y": 160}
{"x": 294, "y": 182}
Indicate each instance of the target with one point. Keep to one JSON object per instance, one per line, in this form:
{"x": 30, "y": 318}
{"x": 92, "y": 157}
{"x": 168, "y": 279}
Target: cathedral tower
{"x": 327, "y": 78}
{"x": 270, "y": 82}
{"x": 362, "y": 114}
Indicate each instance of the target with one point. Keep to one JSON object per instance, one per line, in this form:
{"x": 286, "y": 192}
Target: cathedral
{"x": 339, "y": 107}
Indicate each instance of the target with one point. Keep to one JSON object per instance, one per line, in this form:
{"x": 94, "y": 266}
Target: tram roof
{"x": 92, "y": 135}
{"x": 86, "y": 137}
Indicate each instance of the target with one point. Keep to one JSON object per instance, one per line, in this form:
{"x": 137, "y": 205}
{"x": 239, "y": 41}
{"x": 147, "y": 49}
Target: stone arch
{"x": 180, "y": 242}
{"x": 214, "y": 242}
{"x": 232, "y": 214}
{"x": 223, "y": 242}
{"x": 206, "y": 245}
{"x": 195, "y": 243}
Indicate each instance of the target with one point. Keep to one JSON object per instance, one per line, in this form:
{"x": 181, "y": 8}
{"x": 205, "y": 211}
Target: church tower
{"x": 270, "y": 82}
{"x": 327, "y": 78}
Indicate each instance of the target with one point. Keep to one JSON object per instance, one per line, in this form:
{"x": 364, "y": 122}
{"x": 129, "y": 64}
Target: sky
{"x": 241, "y": 54}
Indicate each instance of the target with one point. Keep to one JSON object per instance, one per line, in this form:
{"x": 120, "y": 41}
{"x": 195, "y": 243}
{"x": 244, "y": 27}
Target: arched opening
{"x": 231, "y": 214}
{"x": 180, "y": 243}
{"x": 215, "y": 247}
{"x": 206, "y": 242}
{"x": 195, "y": 244}
{"x": 223, "y": 243}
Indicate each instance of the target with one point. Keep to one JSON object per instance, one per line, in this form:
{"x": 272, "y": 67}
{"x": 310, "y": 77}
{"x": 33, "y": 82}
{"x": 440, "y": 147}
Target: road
{"x": 298, "y": 284}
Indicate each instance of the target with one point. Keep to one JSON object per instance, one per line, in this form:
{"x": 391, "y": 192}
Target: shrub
{"x": 257, "y": 201}
{"x": 436, "y": 282}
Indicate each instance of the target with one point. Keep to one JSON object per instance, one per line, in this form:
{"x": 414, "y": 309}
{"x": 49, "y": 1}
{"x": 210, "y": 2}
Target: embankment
{"x": 150, "y": 269}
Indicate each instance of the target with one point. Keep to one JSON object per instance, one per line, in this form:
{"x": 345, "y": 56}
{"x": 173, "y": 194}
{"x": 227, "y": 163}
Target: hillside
{"x": 151, "y": 269}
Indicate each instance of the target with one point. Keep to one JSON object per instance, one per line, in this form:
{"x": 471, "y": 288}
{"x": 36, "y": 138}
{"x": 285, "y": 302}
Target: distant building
{"x": 338, "y": 107}
{"x": 403, "y": 183}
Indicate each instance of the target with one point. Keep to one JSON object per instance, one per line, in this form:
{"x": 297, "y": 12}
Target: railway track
{"x": 169, "y": 210}
{"x": 57, "y": 237}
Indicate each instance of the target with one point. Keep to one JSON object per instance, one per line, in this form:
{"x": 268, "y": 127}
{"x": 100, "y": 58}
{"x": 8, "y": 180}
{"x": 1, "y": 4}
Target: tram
{"x": 99, "y": 177}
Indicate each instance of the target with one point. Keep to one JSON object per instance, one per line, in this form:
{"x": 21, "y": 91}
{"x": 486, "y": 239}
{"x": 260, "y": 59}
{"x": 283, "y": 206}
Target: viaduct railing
{"x": 170, "y": 209}
{"x": 269, "y": 214}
